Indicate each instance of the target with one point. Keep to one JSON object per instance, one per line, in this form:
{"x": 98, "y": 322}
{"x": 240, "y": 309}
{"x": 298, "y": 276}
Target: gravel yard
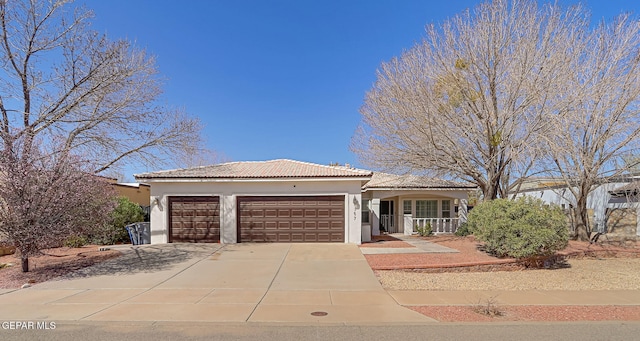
{"x": 51, "y": 264}
{"x": 582, "y": 274}
{"x": 532, "y": 313}
{"x": 589, "y": 267}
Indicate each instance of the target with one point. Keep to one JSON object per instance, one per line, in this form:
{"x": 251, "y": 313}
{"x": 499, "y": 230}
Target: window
{"x": 446, "y": 208}
{"x": 406, "y": 207}
{"x": 365, "y": 211}
{"x": 426, "y": 208}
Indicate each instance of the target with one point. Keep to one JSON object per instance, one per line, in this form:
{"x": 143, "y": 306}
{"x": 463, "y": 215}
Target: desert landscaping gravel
{"x": 51, "y": 264}
{"x": 532, "y": 313}
{"x": 582, "y": 274}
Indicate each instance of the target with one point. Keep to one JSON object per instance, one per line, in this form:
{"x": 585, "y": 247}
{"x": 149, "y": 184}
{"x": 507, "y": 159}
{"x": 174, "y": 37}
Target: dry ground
{"x": 586, "y": 267}
{"x": 577, "y": 274}
{"x": 51, "y": 264}
{"x": 532, "y": 313}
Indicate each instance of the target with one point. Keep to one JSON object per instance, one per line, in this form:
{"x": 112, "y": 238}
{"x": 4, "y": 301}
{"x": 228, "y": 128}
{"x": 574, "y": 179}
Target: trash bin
{"x": 133, "y": 233}
{"x": 144, "y": 233}
{"x": 139, "y": 233}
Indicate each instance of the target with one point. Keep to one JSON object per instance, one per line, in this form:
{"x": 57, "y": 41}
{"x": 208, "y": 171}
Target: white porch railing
{"x": 387, "y": 222}
{"x": 438, "y": 225}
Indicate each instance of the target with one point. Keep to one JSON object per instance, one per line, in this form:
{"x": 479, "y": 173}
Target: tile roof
{"x": 281, "y": 168}
{"x": 385, "y": 180}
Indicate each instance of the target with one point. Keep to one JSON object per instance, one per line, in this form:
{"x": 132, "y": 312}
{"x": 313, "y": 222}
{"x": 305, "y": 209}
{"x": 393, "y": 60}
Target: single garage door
{"x": 194, "y": 219}
{"x": 291, "y": 219}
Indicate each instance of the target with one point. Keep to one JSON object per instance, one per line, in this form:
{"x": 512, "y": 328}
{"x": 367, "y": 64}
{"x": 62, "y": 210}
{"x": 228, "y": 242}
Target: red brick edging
{"x": 440, "y": 266}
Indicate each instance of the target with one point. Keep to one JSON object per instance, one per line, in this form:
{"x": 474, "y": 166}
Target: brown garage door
{"x": 291, "y": 219}
{"x": 194, "y": 219}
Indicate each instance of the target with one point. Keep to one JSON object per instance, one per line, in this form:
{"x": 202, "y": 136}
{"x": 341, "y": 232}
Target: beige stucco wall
{"x": 139, "y": 195}
{"x": 228, "y": 191}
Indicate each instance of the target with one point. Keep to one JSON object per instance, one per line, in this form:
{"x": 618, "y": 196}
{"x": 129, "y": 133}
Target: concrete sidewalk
{"x": 419, "y": 246}
{"x": 299, "y": 283}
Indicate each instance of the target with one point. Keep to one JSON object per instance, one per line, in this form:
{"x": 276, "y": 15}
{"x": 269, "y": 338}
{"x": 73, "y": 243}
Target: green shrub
{"x": 125, "y": 213}
{"x": 463, "y": 230}
{"x": 425, "y": 230}
{"x": 522, "y": 228}
{"x": 75, "y": 241}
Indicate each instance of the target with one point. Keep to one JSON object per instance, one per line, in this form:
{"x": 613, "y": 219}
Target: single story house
{"x": 623, "y": 209}
{"x": 136, "y": 192}
{"x": 293, "y": 201}
{"x": 604, "y": 204}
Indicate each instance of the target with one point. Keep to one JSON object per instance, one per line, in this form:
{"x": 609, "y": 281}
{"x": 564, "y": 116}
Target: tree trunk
{"x": 581, "y": 214}
{"x": 494, "y": 188}
{"x": 25, "y": 263}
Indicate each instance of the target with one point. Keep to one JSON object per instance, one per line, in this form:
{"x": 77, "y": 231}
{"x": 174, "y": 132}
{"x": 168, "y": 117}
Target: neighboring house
{"x": 280, "y": 201}
{"x": 136, "y": 192}
{"x": 601, "y": 202}
{"x": 623, "y": 209}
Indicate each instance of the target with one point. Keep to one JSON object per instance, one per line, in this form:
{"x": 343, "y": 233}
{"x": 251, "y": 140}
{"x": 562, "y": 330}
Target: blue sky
{"x": 279, "y": 78}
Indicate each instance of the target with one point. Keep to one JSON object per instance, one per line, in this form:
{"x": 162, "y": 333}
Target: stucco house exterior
{"x": 612, "y": 205}
{"x": 285, "y": 201}
{"x": 623, "y": 210}
{"x": 136, "y": 192}
{"x": 402, "y": 203}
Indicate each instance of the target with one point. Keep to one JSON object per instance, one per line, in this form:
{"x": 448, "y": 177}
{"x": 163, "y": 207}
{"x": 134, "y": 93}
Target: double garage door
{"x": 291, "y": 219}
{"x": 260, "y": 219}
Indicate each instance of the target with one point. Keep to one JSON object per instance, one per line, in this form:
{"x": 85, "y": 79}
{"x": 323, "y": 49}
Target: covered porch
{"x": 405, "y": 204}
{"x": 401, "y": 214}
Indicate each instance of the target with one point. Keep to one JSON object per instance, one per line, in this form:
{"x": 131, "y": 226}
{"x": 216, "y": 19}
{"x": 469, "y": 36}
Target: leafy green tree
{"x": 126, "y": 212}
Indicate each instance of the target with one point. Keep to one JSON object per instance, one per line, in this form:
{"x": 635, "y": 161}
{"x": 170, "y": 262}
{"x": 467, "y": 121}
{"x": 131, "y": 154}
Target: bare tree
{"x": 45, "y": 199}
{"x": 72, "y": 102}
{"x": 598, "y": 125}
{"x": 471, "y": 98}
{"x": 201, "y": 157}
{"x": 71, "y": 86}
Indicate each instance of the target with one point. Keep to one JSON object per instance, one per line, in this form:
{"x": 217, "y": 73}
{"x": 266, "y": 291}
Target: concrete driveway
{"x": 330, "y": 283}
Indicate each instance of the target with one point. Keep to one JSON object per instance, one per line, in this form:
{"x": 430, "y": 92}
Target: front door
{"x": 387, "y": 216}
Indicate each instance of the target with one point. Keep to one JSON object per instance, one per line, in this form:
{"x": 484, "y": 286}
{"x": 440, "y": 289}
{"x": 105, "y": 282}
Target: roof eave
{"x": 253, "y": 179}
{"x": 418, "y": 188}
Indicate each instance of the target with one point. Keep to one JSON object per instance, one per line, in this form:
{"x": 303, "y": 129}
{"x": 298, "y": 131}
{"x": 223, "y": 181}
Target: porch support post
{"x": 462, "y": 211}
{"x": 408, "y": 224}
{"x": 375, "y": 217}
